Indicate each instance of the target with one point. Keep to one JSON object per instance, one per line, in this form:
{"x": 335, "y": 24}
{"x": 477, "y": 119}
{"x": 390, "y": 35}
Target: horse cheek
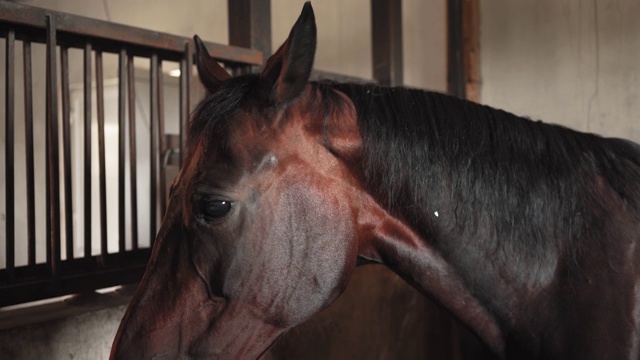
{"x": 320, "y": 233}
{"x": 298, "y": 255}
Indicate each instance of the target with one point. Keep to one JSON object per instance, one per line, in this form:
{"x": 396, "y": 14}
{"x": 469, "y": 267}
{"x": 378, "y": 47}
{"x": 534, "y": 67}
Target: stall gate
{"x": 53, "y": 264}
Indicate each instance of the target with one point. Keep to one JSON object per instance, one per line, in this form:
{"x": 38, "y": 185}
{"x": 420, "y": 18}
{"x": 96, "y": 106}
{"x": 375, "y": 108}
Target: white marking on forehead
{"x": 436, "y": 214}
{"x": 269, "y": 160}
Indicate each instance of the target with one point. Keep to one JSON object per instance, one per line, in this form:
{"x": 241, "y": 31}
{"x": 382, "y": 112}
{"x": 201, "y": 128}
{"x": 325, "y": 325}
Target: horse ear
{"x": 210, "y": 72}
{"x": 287, "y": 71}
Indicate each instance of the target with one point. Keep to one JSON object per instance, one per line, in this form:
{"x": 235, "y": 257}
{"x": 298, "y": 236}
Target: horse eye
{"x": 215, "y": 208}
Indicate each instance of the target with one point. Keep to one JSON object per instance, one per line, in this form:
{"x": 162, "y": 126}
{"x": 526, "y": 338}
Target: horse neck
{"x": 396, "y": 243}
{"x": 491, "y": 214}
{"x": 433, "y": 236}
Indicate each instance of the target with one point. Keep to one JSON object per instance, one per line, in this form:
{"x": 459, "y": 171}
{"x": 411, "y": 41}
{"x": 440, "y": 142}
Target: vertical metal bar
{"x": 10, "y": 69}
{"x": 153, "y": 151}
{"x": 161, "y": 142}
{"x": 28, "y": 135}
{"x": 87, "y": 150}
{"x": 386, "y": 41}
{"x": 132, "y": 152}
{"x": 250, "y": 24}
{"x": 122, "y": 93}
{"x": 53, "y": 156}
{"x": 102, "y": 183}
{"x": 455, "y": 64}
{"x": 185, "y": 73}
{"x": 47, "y": 179}
{"x": 66, "y": 143}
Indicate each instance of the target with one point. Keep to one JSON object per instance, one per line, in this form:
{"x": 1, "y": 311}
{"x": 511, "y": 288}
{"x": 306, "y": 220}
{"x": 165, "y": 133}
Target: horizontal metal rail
{"x": 76, "y": 276}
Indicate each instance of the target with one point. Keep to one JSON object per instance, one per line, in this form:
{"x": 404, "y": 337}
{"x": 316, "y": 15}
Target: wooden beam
{"x": 73, "y": 31}
{"x": 463, "y": 72}
{"x": 250, "y": 24}
{"x": 386, "y": 41}
{"x": 471, "y": 48}
{"x": 455, "y": 68}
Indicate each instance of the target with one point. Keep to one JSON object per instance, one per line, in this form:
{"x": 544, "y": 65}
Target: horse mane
{"x": 524, "y": 184}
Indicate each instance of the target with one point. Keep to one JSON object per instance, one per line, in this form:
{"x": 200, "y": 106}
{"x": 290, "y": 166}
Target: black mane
{"x": 486, "y": 171}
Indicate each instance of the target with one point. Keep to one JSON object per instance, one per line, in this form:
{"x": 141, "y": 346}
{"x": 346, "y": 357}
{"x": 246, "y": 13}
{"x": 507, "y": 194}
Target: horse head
{"x": 260, "y": 232}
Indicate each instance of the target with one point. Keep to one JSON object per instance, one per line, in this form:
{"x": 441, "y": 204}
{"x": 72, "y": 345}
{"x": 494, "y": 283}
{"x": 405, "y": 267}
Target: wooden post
{"x": 386, "y": 41}
{"x": 463, "y": 49}
{"x": 455, "y": 68}
{"x": 250, "y": 24}
{"x": 471, "y": 48}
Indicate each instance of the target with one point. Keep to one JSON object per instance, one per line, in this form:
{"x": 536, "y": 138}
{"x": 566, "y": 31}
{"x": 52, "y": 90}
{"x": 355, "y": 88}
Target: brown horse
{"x": 526, "y": 232}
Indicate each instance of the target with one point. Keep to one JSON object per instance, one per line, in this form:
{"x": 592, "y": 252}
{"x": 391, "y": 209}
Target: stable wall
{"x": 575, "y": 63}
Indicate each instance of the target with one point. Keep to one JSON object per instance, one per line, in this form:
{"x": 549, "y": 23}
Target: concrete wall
{"x": 83, "y": 337}
{"x": 575, "y": 63}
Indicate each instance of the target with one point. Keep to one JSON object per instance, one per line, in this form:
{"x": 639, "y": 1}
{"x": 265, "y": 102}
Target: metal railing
{"x": 78, "y": 273}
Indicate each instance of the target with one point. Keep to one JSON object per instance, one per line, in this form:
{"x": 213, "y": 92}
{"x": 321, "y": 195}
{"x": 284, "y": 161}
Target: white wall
{"x": 575, "y": 63}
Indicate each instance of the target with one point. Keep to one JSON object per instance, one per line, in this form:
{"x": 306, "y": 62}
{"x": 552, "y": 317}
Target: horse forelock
{"x": 210, "y": 120}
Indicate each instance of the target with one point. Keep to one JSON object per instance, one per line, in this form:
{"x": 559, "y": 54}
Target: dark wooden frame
{"x": 386, "y": 42}
{"x": 250, "y": 24}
